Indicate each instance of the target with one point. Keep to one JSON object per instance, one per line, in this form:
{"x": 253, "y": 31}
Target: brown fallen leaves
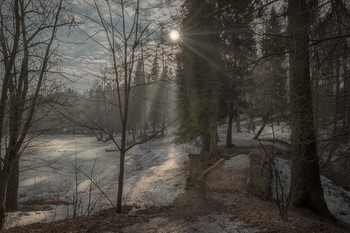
{"x": 103, "y": 221}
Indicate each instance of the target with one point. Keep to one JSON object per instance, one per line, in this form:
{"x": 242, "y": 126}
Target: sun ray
{"x": 174, "y": 35}
{"x": 200, "y": 54}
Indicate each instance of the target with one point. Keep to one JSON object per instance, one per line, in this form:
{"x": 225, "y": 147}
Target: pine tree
{"x": 186, "y": 131}
{"x": 273, "y": 66}
{"x": 154, "y": 75}
{"x": 201, "y": 71}
{"x": 152, "y": 89}
{"x": 239, "y": 49}
{"x": 272, "y": 78}
{"x": 306, "y": 184}
{"x": 159, "y": 104}
{"x": 137, "y": 101}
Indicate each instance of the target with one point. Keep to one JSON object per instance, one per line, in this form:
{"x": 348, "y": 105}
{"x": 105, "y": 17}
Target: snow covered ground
{"x": 61, "y": 167}
{"x": 78, "y": 171}
{"x": 337, "y": 198}
{"x": 246, "y": 138}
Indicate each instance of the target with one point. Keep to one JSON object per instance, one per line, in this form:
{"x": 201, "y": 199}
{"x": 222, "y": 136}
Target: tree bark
{"x": 120, "y": 182}
{"x": 196, "y": 167}
{"x": 256, "y": 137}
{"x": 334, "y": 141}
{"x": 12, "y": 188}
{"x": 346, "y": 124}
{"x": 229, "y": 132}
{"x": 205, "y": 143}
{"x": 133, "y": 133}
{"x": 306, "y": 184}
{"x": 238, "y": 123}
{"x": 121, "y": 170}
{"x": 213, "y": 136}
{"x": 316, "y": 80}
{"x": 264, "y": 122}
{"x": 2, "y": 202}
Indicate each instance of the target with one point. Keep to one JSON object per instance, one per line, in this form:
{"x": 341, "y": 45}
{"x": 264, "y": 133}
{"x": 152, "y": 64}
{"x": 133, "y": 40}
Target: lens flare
{"x": 174, "y": 35}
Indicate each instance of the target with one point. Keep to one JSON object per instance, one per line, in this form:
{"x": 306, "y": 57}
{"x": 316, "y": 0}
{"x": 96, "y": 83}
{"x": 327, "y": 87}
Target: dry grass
{"x": 100, "y": 222}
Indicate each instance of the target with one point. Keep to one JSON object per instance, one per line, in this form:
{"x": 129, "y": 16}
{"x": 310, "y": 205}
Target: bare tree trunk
{"x": 306, "y": 183}
{"x": 9, "y": 57}
{"x": 163, "y": 120}
{"x": 144, "y": 105}
{"x": 2, "y": 201}
{"x": 316, "y": 100}
{"x": 12, "y": 188}
{"x": 346, "y": 94}
{"x": 256, "y": 137}
{"x": 229, "y": 132}
{"x": 125, "y": 53}
{"x": 133, "y": 135}
{"x": 251, "y": 125}
{"x": 17, "y": 84}
{"x": 213, "y": 136}
{"x": 238, "y": 122}
{"x": 205, "y": 143}
{"x": 122, "y": 152}
{"x": 264, "y": 122}
{"x": 120, "y": 181}
{"x": 334, "y": 140}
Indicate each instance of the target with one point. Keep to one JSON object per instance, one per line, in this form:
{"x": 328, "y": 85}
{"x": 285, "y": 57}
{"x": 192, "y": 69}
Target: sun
{"x": 174, "y": 35}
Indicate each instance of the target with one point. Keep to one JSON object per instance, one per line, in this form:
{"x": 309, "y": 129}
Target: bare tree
{"x": 124, "y": 33}
{"x": 27, "y": 33}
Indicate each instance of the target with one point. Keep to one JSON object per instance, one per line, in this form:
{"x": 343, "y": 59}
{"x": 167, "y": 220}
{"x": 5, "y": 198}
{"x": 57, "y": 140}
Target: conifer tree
{"x": 307, "y": 189}
{"x": 186, "y": 130}
{"x": 273, "y": 46}
{"x": 152, "y": 87}
{"x": 201, "y": 60}
{"x": 272, "y": 77}
{"x": 238, "y": 50}
{"x": 159, "y": 103}
{"x": 137, "y": 99}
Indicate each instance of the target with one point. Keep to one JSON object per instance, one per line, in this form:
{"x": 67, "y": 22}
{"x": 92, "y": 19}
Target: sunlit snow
{"x": 155, "y": 173}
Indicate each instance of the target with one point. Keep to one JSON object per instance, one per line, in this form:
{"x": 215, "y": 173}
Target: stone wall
{"x": 196, "y": 169}
{"x": 259, "y": 175}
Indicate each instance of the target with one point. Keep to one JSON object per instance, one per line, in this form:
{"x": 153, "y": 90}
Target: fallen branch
{"x": 111, "y": 150}
{"x": 206, "y": 171}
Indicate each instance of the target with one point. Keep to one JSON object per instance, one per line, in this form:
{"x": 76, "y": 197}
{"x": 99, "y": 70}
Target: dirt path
{"x": 222, "y": 204}
{"x": 231, "y": 176}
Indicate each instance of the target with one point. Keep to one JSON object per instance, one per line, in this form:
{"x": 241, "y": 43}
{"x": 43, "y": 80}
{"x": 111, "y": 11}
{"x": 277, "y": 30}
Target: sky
{"x": 82, "y": 56}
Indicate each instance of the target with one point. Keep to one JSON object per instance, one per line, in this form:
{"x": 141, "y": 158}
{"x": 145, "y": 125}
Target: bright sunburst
{"x": 174, "y": 35}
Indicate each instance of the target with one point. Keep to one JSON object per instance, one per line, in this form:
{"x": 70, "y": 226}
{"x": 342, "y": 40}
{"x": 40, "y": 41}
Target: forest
{"x": 174, "y": 116}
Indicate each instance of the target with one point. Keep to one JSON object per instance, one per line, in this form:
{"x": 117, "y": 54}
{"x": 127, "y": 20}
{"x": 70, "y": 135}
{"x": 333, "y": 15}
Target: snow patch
{"x": 154, "y": 175}
{"x": 337, "y": 198}
{"x": 238, "y": 163}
